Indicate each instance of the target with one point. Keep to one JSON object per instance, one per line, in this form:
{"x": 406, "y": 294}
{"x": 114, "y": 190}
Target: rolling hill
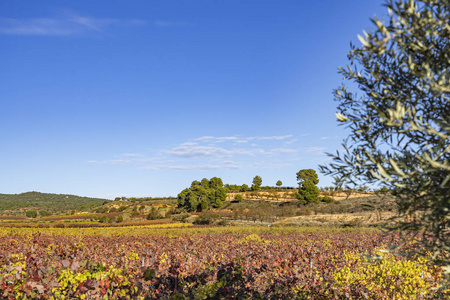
{"x": 46, "y": 201}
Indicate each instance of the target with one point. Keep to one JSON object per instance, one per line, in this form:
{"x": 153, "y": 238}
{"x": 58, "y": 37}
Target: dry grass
{"x": 340, "y": 220}
{"x": 281, "y": 196}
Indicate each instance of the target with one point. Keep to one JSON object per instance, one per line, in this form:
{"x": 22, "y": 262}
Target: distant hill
{"x": 44, "y": 201}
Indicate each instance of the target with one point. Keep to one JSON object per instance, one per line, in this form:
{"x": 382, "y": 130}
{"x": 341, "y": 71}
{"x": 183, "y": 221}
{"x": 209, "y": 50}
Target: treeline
{"x": 48, "y": 202}
{"x": 235, "y": 188}
{"x": 205, "y": 194}
{"x": 145, "y": 199}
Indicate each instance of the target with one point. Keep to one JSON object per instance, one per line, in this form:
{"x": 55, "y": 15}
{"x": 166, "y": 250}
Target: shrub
{"x": 101, "y": 210}
{"x": 153, "y": 214}
{"x": 31, "y": 214}
{"x": 238, "y": 198}
{"x": 44, "y": 213}
{"x": 326, "y": 199}
{"x": 206, "y": 218}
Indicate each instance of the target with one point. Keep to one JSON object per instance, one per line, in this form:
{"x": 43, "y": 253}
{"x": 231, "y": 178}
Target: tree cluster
{"x": 202, "y": 195}
{"x": 236, "y": 188}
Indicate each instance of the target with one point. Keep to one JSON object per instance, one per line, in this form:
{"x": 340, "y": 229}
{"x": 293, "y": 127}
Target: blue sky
{"x": 140, "y": 98}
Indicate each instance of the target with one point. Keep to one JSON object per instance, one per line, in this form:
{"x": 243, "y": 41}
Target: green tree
{"x": 215, "y": 183}
{"x": 204, "y": 182}
{"x": 244, "y": 188}
{"x": 219, "y": 196}
{"x": 400, "y": 121}
{"x": 256, "y": 184}
{"x": 307, "y": 190}
{"x": 307, "y": 174}
{"x": 279, "y": 183}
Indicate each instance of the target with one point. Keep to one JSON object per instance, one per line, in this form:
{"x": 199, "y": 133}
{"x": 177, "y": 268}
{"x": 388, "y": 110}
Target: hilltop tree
{"x": 307, "y": 174}
{"x": 400, "y": 122}
{"x": 256, "y": 184}
{"x": 279, "y": 183}
{"x": 202, "y": 195}
{"x": 307, "y": 190}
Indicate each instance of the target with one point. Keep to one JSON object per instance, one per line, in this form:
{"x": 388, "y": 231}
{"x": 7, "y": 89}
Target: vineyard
{"x": 209, "y": 263}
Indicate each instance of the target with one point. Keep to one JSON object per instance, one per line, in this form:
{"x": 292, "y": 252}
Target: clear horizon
{"x": 110, "y": 99}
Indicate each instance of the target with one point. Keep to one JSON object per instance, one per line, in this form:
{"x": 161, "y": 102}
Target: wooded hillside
{"x": 47, "y": 201}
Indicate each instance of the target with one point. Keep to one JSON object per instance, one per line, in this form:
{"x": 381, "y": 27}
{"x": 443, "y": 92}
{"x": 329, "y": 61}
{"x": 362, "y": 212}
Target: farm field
{"x": 181, "y": 261}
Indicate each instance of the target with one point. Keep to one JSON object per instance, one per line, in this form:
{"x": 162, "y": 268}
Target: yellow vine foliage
{"x": 386, "y": 276}
{"x": 253, "y": 238}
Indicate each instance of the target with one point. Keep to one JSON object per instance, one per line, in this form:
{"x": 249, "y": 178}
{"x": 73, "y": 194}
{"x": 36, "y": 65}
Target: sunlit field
{"x": 180, "y": 261}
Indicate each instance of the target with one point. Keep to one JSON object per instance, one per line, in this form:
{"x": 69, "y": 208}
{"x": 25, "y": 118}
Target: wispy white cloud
{"x": 188, "y": 144}
{"x": 65, "y": 25}
{"x": 110, "y": 161}
{"x": 218, "y": 139}
{"x": 196, "y": 151}
{"x": 131, "y": 155}
{"x": 315, "y": 150}
{"x": 212, "y": 153}
{"x": 188, "y": 151}
{"x": 283, "y": 151}
{"x": 127, "y": 158}
{"x": 237, "y": 139}
{"x": 282, "y": 137}
{"x": 291, "y": 141}
{"x": 224, "y": 165}
{"x": 269, "y": 165}
{"x": 201, "y": 167}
